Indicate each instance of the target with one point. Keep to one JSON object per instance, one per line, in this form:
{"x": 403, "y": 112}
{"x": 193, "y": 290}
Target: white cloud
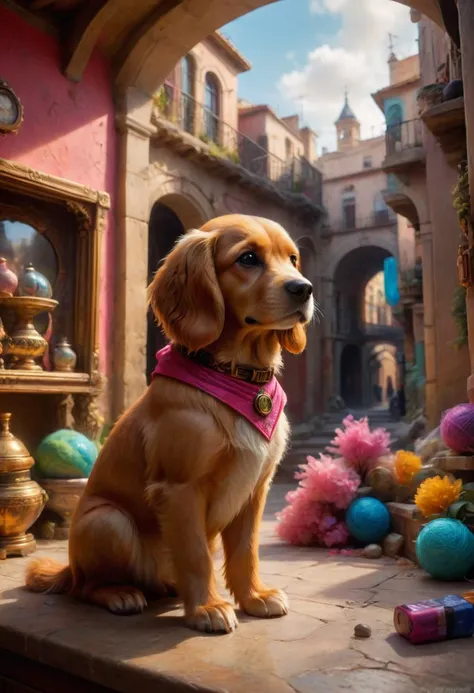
{"x": 355, "y": 58}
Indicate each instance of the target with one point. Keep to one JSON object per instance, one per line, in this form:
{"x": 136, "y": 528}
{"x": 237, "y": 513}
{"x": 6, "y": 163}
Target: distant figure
{"x": 390, "y": 389}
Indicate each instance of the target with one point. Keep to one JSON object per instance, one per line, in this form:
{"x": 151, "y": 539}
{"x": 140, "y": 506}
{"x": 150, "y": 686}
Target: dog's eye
{"x": 249, "y": 259}
{"x": 294, "y": 260}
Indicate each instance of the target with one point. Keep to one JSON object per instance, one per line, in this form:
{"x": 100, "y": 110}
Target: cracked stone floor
{"x": 312, "y": 650}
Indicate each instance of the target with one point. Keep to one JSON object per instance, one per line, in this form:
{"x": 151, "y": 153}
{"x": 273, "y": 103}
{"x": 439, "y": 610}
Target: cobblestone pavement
{"x": 312, "y": 650}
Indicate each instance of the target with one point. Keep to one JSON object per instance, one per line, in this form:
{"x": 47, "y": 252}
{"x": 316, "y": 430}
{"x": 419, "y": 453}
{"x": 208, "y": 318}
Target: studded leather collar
{"x": 249, "y": 374}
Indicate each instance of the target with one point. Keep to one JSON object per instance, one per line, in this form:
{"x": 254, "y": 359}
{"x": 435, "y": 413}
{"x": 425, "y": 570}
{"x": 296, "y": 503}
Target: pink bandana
{"x": 237, "y": 394}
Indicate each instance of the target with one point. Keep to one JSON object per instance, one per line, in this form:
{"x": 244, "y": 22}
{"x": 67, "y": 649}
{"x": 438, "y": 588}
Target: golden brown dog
{"x": 180, "y": 467}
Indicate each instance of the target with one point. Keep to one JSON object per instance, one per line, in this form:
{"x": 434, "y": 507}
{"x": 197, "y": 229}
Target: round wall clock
{"x": 11, "y": 110}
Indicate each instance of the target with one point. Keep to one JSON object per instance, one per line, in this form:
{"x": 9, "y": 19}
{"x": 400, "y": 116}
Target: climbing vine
{"x": 460, "y": 315}
{"x": 461, "y": 197}
{"x": 161, "y": 100}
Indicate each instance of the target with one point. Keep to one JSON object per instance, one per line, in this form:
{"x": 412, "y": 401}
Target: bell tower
{"x": 347, "y": 127}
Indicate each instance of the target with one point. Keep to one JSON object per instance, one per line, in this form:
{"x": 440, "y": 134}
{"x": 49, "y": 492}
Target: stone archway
{"x": 169, "y": 35}
{"x": 351, "y": 335}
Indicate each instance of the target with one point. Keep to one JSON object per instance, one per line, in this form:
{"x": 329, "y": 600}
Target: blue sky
{"x": 305, "y": 52}
{"x": 287, "y": 49}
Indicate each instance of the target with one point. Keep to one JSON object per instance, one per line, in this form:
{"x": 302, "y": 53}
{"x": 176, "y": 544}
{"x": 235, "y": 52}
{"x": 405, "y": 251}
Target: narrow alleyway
{"x": 312, "y": 650}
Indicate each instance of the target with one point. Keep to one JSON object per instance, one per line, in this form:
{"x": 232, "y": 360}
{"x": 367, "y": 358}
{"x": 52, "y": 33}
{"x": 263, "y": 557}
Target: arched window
{"x": 212, "y": 107}
{"x": 394, "y": 114}
{"x": 348, "y": 208}
{"x": 187, "y": 75}
{"x": 187, "y": 91}
{"x": 394, "y": 119}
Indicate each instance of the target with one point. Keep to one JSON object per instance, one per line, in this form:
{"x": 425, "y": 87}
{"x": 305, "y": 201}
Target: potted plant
{"x": 429, "y": 95}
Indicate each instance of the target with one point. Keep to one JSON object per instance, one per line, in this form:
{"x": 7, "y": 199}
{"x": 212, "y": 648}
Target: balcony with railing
{"x": 404, "y": 146}
{"x": 350, "y": 222}
{"x": 221, "y": 140}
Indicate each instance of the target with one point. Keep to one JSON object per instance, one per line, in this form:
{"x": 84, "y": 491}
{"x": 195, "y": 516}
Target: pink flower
{"x": 326, "y": 487}
{"x": 358, "y": 446}
{"x": 337, "y": 536}
{"x": 329, "y": 481}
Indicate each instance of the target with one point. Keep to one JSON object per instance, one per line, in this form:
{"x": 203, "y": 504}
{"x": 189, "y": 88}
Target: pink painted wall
{"x": 68, "y": 128}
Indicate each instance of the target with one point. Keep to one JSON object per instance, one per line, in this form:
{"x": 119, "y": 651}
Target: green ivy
{"x": 461, "y": 196}
{"x": 220, "y": 152}
{"x": 160, "y": 99}
{"x": 460, "y": 315}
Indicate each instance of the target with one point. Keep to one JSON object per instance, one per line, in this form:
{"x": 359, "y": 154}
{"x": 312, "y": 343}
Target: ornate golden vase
{"x": 24, "y": 344}
{"x": 21, "y": 498}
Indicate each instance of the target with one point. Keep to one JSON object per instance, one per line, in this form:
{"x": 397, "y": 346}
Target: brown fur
{"x": 180, "y": 468}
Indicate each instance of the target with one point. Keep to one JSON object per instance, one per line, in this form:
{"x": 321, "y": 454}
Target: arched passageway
{"x": 170, "y": 218}
{"x": 361, "y": 323}
{"x": 383, "y": 373}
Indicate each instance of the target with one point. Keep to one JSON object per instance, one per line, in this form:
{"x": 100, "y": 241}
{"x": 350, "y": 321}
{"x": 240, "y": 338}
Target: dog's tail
{"x": 45, "y": 575}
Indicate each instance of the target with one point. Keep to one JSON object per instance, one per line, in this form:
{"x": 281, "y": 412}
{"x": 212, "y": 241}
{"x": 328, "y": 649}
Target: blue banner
{"x": 390, "y": 271}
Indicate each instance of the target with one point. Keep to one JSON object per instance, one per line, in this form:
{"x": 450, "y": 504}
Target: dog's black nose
{"x": 300, "y": 289}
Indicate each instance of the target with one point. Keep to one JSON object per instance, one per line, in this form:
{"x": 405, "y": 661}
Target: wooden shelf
{"x": 44, "y": 382}
{"x": 446, "y": 121}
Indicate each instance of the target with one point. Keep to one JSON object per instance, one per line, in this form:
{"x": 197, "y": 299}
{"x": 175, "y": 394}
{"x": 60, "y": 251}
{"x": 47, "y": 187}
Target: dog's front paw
{"x": 216, "y": 617}
{"x": 266, "y": 604}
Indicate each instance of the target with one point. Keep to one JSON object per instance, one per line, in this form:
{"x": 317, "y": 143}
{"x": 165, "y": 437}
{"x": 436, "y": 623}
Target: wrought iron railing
{"x": 296, "y": 175}
{"x": 405, "y": 135}
{"x": 377, "y": 219}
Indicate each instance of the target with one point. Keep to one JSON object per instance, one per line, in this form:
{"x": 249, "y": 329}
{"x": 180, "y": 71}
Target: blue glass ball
{"x": 368, "y": 520}
{"x": 445, "y": 549}
{"x": 65, "y": 454}
{"x": 33, "y": 283}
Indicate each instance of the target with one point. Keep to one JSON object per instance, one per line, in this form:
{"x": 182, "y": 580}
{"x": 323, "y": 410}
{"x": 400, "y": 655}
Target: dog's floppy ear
{"x": 185, "y": 295}
{"x": 293, "y": 340}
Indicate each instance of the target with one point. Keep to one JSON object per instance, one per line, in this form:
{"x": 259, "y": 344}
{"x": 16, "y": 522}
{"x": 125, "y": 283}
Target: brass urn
{"x": 25, "y": 344}
{"x": 21, "y": 498}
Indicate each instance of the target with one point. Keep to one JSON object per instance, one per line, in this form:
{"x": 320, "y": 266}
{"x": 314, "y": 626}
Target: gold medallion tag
{"x": 263, "y": 403}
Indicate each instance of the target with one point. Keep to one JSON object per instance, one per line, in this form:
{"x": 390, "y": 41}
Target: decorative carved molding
{"x": 24, "y": 178}
{"x": 65, "y": 409}
{"x": 125, "y": 123}
{"x": 52, "y": 382}
{"x": 82, "y": 215}
{"x": 88, "y": 419}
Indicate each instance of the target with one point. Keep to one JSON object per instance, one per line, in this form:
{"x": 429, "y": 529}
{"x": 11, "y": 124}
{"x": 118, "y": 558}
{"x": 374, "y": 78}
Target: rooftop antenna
{"x": 301, "y": 98}
{"x": 391, "y": 46}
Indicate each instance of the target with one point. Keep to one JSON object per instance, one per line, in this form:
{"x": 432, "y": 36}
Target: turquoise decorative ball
{"x": 65, "y": 454}
{"x": 445, "y": 549}
{"x": 368, "y": 520}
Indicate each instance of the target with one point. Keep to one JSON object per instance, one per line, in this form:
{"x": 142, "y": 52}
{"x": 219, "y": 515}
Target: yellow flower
{"x": 434, "y": 496}
{"x": 406, "y": 465}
